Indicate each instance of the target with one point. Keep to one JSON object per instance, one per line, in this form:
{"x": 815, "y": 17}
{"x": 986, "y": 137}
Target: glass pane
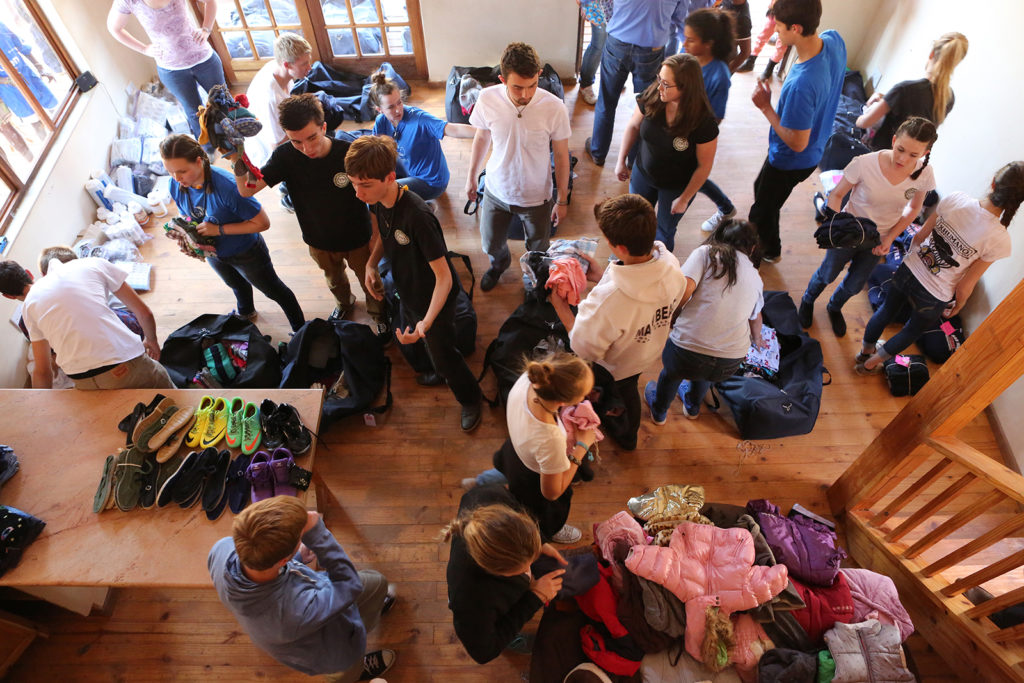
{"x": 335, "y": 12}
{"x": 238, "y": 45}
{"x": 342, "y": 44}
{"x": 5, "y": 192}
{"x": 400, "y": 40}
{"x": 227, "y": 14}
{"x": 255, "y": 12}
{"x": 296, "y": 31}
{"x": 21, "y": 140}
{"x": 30, "y": 53}
{"x": 370, "y": 42}
{"x": 284, "y": 12}
{"x": 395, "y": 11}
{"x": 365, "y": 11}
{"x": 264, "y": 43}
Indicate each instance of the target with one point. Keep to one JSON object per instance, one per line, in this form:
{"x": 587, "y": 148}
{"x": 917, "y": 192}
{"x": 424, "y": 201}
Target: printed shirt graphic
{"x": 662, "y": 317}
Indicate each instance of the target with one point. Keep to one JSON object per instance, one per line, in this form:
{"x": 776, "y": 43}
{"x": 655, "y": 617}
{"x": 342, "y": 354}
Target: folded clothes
{"x": 567, "y": 279}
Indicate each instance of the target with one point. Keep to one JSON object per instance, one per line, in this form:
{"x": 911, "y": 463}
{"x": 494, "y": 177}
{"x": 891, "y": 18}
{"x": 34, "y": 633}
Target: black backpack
{"x": 906, "y": 380}
{"x": 488, "y": 76}
{"x": 352, "y": 349}
{"x": 182, "y": 353}
{"x": 937, "y": 344}
{"x": 766, "y": 410}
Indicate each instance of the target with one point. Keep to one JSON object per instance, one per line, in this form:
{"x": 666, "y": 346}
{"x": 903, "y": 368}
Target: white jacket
{"x": 624, "y": 322}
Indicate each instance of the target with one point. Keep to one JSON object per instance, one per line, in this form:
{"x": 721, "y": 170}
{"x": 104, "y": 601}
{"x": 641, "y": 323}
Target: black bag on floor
{"x": 483, "y": 75}
{"x": 182, "y": 353}
{"x": 906, "y": 380}
{"x": 938, "y": 345}
{"x": 840, "y": 149}
{"x": 324, "y": 349}
{"x": 765, "y": 410}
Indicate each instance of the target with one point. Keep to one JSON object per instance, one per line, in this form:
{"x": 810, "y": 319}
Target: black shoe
{"x": 471, "y": 416}
{"x": 187, "y": 483}
{"x": 215, "y": 483}
{"x": 805, "y": 314}
{"x": 296, "y": 436}
{"x": 429, "y": 379}
{"x": 590, "y": 154}
{"x": 150, "y": 474}
{"x": 747, "y": 65}
{"x": 769, "y": 69}
{"x": 389, "y": 599}
{"x": 272, "y": 436}
{"x": 837, "y": 320}
{"x": 376, "y": 663}
{"x": 490, "y": 279}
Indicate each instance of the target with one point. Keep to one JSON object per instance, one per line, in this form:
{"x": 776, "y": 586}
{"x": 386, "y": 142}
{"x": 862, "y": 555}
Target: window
{"x": 36, "y": 93}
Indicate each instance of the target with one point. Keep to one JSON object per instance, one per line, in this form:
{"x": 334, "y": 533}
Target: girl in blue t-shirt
{"x": 709, "y": 37}
{"x": 209, "y": 196}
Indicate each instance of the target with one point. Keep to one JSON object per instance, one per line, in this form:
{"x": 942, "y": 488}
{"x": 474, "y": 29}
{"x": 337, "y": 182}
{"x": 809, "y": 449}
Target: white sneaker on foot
{"x": 588, "y": 94}
{"x": 567, "y": 534}
{"x": 711, "y": 224}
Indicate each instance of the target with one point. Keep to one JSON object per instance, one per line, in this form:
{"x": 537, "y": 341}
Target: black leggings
{"x": 524, "y": 485}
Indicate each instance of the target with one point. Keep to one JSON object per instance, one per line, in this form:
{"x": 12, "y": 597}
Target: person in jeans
{"x": 314, "y": 622}
{"x": 335, "y": 225}
{"x": 524, "y": 126}
{"x": 592, "y": 55}
{"x": 946, "y": 259}
{"x": 879, "y": 185}
{"x": 408, "y": 234}
{"x": 184, "y": 59}
{"x": 635, "y": 45}
{"x": 67, "y": 311}
{"x": 803, "y": 122}
{"x": 720, "y": 317}
{"x": 208, "y": 196}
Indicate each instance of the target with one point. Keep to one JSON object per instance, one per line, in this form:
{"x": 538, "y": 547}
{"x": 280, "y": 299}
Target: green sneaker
{"x": 251, "y": 436}
{"x": 233, "y": 437}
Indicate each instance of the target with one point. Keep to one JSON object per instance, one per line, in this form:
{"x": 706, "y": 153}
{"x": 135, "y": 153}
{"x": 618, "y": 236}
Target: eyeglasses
{"x": 665, "y": 85}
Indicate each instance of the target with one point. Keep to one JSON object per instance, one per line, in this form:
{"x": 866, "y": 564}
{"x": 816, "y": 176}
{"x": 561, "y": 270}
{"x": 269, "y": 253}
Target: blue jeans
{"x": 861, "y": 261}
{"x": 702, "y": 371}
{"x": 926, "y": 310}
{"x": 662, "y": 201}
{"x": 618, "y": 61}
{"x": 713, "y": 192}
{"x": 184, "y": 85}
{"x": 253, "y": 268}
{"x": 592, "y": 56}
{"x": 425, "y": 190}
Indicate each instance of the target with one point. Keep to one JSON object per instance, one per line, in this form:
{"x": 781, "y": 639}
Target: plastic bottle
{"x": 102, "y": 176}
{"x": 158, "y": 202}
{"x": 138, "y": 213}
{"x": 123, "y": 178}
{"x": 116, "y": 194}
{"x": 95, "y": 189}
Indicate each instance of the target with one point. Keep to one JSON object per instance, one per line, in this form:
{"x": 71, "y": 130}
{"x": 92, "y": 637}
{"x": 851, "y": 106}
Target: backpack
{"x": 766, "y": 410}
{"x": 840, "y": 149}
{"x": 346, "y": 347}
{"x": 907, "y": 377}
{"x": 470, "y": 78}
{"x": 939, "y": 343}
{"x": 183, "y": 351}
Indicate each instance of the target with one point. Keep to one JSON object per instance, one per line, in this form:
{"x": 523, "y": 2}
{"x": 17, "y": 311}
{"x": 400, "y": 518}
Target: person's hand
{"x": 558, "y": 212}
{"x": 373, "y": 283}
{"x": 594, "y": 272}
{"x": 312, "y": 517}
{"x": 471, "y": 190}
{"x": 551, "y": 551}
{"x": 877, "y": 97}
{"x": 621, "y": 170}
{"x": 152, "y": 348}
{"x": 200, "y": 35}
{"x": 952, "y": 309}
{"x": 547, "y": 586}
{"x": 559, "y": 303}
{"x": 587, "y": 436}
{"x": 155, "y": 51}
{"x": 759, "y": 342}
{"x": 208, "y": 229}
{"x": 680, "y": 204}
{"x": 882, "y": 249}
{"x": 762, "y": 95}
{"x": 306, "y": 555}
{"x": 411, "y": 335}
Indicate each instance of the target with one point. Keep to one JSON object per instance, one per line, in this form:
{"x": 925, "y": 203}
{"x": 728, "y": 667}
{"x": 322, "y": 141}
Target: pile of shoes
{"x": 154, "y": 470}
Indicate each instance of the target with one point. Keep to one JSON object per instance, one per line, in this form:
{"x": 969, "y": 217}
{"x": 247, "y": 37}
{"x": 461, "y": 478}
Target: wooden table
{"x": 61, "y": 439}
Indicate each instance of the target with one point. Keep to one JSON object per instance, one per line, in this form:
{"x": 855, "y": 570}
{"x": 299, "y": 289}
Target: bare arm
{"x": 755, "y": 332}
{"x": 372, "y": 279}
{"x": 925, "y": 230}
{"x": 130, "y": 299}
{"x": 442, "y": 286}
{"x": 560, "y": 148}
{"x": 244, "y": 182}
{"x": 628, "y": 140}
{"x": 966, "y": 286}
{"x": 873, "y": 113}
{"x": 554, "y": 485}
{"x": 257, "y": 223}
{"x": 459, "y": 130}
{"x": 796, "y": 140}
{"x": 42, "y": 371}
{"x": 835, "y": 197}
{"x": 481, "y": 143}
{"x": 116, "y": 23}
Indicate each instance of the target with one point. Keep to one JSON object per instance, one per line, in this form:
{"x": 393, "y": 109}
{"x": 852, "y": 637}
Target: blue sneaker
{"x": 650, "y": 390}
{"x": 691, "y": 413}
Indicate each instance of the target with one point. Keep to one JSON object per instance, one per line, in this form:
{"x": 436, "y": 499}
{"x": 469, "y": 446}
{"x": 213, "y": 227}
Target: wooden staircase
{"x": 939, "y": 516}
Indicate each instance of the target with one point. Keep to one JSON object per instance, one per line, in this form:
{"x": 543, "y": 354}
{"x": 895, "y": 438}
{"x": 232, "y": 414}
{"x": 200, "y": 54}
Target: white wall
{"x": 982, "y": 133}
{"x": 474, "y": 32}
{"x": 58, "y": 208}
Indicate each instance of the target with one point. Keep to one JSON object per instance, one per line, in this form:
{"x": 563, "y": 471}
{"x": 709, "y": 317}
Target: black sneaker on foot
{"x": 769, "y": 70}
{"x": 838, "y": 321}
{"x": 805, "y": 314}
{"x": 376, "y": 663}
{"x": 471, "y": 416}
{"x": 490, "y": 279}
{"x": 590, "y": 154}
{"x": 747, "y": 65}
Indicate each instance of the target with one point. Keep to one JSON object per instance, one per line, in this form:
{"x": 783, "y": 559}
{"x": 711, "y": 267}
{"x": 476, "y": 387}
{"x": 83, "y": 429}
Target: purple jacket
{"x": 807, "y": 548}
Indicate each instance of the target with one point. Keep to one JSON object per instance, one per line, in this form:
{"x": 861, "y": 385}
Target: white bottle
{"x": 123, "y": 178}
{"x": 138, "y": 213}
{"x": 116, "y": 194}
{"x": 95, "y": 189}
{"x": 102, "y": 176}
{"x": 158, "y": 203}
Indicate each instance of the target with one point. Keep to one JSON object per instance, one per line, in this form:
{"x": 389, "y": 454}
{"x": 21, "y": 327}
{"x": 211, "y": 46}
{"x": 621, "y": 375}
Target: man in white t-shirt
{"x": 521, "y": 123}
{"x": 269, "y": 87}
{"x": 67, "y": 311}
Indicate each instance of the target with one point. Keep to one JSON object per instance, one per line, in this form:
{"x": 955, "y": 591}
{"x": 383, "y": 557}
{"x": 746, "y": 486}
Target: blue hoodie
{"x": 305, "y": 619}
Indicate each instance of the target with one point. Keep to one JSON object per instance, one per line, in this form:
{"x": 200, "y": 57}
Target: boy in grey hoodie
{"x": 624, "y": 322}
{"x": 314, "y": 622}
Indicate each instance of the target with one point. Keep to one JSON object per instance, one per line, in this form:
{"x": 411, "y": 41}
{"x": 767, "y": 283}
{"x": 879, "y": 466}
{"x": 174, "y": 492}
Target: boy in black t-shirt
{"x": 406, "y": 231}
{"x": 334, "y": 223}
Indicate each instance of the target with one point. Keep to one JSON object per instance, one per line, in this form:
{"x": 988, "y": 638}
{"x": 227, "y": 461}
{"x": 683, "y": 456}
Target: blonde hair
{"x": 269, "y": 531}
{"x": 499, "y": 539}
{"x": 948, "y": 51}
{"x": 558, "y": 376}
{"x": 61, "y": 253}
{"x": 290, "y": 46}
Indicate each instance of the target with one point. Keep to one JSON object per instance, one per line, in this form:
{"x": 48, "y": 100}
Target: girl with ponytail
{"x": 945, "y": 261}
{"x": 887, "y": 187}
{"x": 929, "y": 97}
{"x": 209, "y": 196}
{"x": 492, "y": 591}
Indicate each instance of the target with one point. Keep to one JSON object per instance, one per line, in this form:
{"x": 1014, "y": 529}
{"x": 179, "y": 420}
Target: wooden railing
{"x": 939, "y": 516}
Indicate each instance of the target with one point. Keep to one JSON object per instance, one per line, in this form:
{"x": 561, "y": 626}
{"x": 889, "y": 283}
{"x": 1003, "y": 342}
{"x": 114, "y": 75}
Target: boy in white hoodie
{"x": 625, "y": 320}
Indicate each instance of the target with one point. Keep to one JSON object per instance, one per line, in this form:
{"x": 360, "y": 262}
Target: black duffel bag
{"x": 907, "y": 377}
{"x": 182, "y": 353}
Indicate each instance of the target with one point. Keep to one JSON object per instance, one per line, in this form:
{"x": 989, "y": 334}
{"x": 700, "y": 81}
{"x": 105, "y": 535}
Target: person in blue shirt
{"x": 209, "y": 196}
{"x": 803, "y": 121}
{"x": 32, "y": 72}
{"x": 421, "y": 163}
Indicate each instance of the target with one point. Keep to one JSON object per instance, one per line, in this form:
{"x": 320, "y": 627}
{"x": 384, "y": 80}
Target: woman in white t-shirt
{"x": 946, "y": 259}
{"x": 534, "y": 457}
{"x": 719, "y": 318}
{"x": 887, "y": 187}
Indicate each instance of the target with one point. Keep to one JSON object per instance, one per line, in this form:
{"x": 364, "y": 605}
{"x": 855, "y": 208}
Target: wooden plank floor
{"x": 398, "y": 482}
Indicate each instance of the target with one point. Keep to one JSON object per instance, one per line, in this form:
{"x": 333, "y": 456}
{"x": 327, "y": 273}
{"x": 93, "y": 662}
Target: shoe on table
{"x": 590, "y": 153}
{"x": 747, "y": 65}
{"x": 233, "y": 435}
{"x": 216, "y": 425}
{"x": 650, "y": 391}
{"x": 711, "y": 224}
{"x": 588, "y": 95}
{"x": 838, "y": 322}
{"x": 805, "y": 314}
{"x": 250, "y": 435}
{"x": 691, "y": 412}
{"x": 281, "y": 463}
{"x": 567, "y": 534}
{"x": 202, "y": 414}
{"x": 261, "y": 477}
{"x": 490, "y": 279}
{"x": 296, "y": 435}
{"x": 376, "y": 663}
{"x": 429, "y": 379}
{"x": 472, "y": 416}
{"x": 272, "y": 435}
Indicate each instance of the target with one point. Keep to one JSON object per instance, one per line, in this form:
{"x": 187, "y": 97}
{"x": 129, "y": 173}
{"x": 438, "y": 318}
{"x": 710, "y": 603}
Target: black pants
{"x": 524, "y": 485}
{"x": 631, "y": 397}
{"x": 445, "y": 356}
{"x": 771, "y": 190}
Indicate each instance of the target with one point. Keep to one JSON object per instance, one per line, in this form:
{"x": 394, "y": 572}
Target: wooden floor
{"x": 398, "y": 482}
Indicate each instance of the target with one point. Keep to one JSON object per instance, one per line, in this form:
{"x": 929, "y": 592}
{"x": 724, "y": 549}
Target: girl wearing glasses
{"x": 677, "y": 136}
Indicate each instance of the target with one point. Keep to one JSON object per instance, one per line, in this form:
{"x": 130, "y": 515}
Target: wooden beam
{"x": 927, "y": 510}
{"x": 1008, "y": 599}
{"x": 995, "y": 474}
{"x": 911, "y": 493}
{"x": 987, "y": 574}
{"x": 954, "y": 523}
{"x": 990, "y": 537}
